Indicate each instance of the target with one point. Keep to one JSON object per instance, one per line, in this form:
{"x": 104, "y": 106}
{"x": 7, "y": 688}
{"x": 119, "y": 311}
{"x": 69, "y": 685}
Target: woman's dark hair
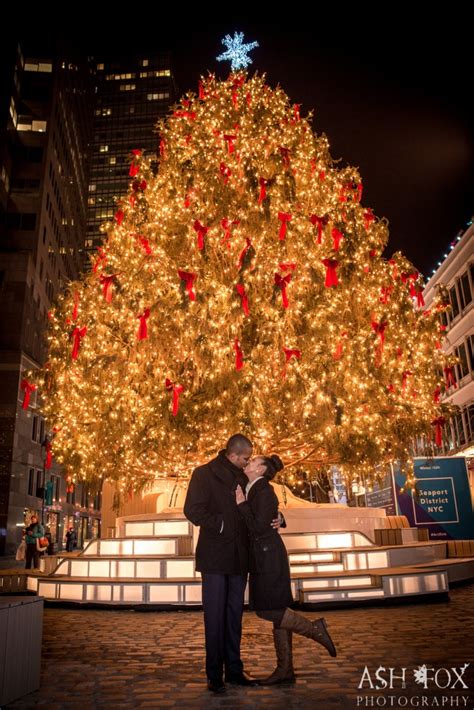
{"x": 273, "y": 464}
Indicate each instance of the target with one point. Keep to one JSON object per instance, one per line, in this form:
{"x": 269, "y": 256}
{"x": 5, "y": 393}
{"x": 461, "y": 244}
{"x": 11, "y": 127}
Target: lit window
{"x": 46, "y": 67}
{"x": 39, "y": 126}
{"x": 106, "y": 112}
{"x": 113, "y": 161}
{"x": 163, "y": 72}
{"x": 144, "y": 62}
{"x": 100, "y": 67}
{"x": 127, "y": 87}
{"x": 104, "y": 148}
{"x": 31, "y": 67}
{"x": 92, "y": 188}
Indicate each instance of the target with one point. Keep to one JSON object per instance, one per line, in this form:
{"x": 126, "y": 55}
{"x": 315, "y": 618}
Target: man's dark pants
{"x": 223, "y": 602}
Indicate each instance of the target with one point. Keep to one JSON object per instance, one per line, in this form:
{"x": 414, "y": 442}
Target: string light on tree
{"x": 248, "y": 299}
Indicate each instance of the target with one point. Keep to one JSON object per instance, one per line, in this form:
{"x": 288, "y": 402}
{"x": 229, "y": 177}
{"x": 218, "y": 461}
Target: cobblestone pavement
{"x": 127, "y": 659}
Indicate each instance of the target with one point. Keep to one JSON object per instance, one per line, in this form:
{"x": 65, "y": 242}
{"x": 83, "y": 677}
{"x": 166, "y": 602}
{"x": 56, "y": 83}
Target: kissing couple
{"x": 232, "y": 501}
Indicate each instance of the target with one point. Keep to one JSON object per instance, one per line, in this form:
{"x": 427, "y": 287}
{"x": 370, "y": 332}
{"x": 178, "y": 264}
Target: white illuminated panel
{"x": 32, "y": 584}
{"x": 97, "y": 592}
{"x": 156, "y": 547}
{"x": 48, "y": 590}
{"x": 336, "y": 595}
{"x": 193, "y": 594}
{"x": 80, "y": 568}
{"x": 172, "y": 527}
{"x": 415, "y": 584}
{"x": 366, "y": 560}
{"x": 335, "y": 540}
{"x": 336, "y": 582}
{"x": 71, "y": 592}
{"x": 133, "y": 593}
{"x": 148, "y": 568}
{"x": 139, "y": 529}
{"x": 164, "y": 593}
{"x": 180, "y": 568}
{"x": 311, "y": 556}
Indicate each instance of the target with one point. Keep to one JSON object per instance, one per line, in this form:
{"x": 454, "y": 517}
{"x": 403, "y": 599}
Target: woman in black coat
{"x": 269, "y": 579}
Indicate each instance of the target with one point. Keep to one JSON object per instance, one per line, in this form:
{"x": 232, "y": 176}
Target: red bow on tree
{"x": 188, "y": 277}
{"x": 201, "y": 232}
{"x": 119, "y": 215}
{"x": 230, "y": 143}
{"x": 282, "y": 282}
{"x": 226, "y": 172}
{"x": 176, "y": 389}
{"x": 239, "y": 357}
{"x": 331, "y": 275}
{"x": 77, "y": 334}
{"x": 243, "y": 298}
{"x": 369, "y": 217}
{"x": 142, "y": 328}
{"x": 107, "y": 283}
{"x": 337, "y": 236}
{"x": 102, "y": 259}
{"x": 263, "y": 190}
{"x": 439, "y": 422}
{"x": 28, "y": 389}
{"x": 289, "y": 353}
{"x": 145, "y": 244}
{"x": 284, "y": 218}
{"x": 227, "y": 225}
{"x": 321, "y": 222}
{"x": 448, "y": 372}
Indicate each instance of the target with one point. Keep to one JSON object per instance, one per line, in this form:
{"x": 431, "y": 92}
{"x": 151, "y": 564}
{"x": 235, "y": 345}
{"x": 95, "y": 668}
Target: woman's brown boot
{"x": 284, "y": 672}
{"x": 316, "y": 630}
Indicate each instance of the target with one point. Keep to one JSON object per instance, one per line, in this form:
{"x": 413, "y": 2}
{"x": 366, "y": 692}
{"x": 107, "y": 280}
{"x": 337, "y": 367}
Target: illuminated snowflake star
{"x": 236, "y": 51}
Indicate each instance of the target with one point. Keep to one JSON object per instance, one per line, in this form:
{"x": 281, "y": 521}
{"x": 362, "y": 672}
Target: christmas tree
{"x": 241, "y": 288}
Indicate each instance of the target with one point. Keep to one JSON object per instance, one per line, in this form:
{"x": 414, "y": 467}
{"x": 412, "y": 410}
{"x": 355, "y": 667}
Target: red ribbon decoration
{"x": 176, "y": 389}
{"x": 282, "y": 282}
{"x": 437, "y": 394}
{"x": 331, "y": 275}
{"x": 188, "y": 277}
{"x": 419, "y": 298}
{"x": 289, "y": 353}
{"x": 202, "y": 93}
{"x": 239, "y": 357}
{"x": 320, "y": 222}
{"x": 49, "y": 455}
{"x": 244, "y": 252}
{"x": 227, "y": 225}
{"x": 338, "y": 352}
{"x": 77, "y": 334}
{"x": 360, "y": 189}
{"x": 119, "y": 215}
{"x": 385, "y": 293}
{"x": 369, "y": 217}
{"x": 142, "y": 328}
{"x": 102, "y": 258}
{"x": 288, "y": 266}
{"x": 337, "y": 236}
{"x": 230, "y": 143}
{"x": 76, "y": 305}
{"x": 284, "y": 218}
{"x": 185, "y": 114}
{"x": 379, "y": 328}
{"x": 201, "y": 232}
{"x": 448, "y": 372}
{"x": 28, "y": 389}
{"x": 163, "y": 149}
{"x": 226, "y": 172}
{"x": 296, "y": 111}
{"x": 439, "y": 423}
{"x": 285, "y": 154}
{"x": 243, "y": 298}
{"x": 263, "y": 189}
{"x": 107, "y": 283}
{"x": 134, "y": 170}
{"x": 145, "y": 244}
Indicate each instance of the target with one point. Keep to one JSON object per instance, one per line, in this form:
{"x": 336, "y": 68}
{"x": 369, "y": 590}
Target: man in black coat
{"x": 222, "y": 558}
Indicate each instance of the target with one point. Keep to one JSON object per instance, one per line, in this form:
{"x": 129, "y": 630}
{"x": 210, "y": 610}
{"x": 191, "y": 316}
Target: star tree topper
{"x": 236, "y": 51}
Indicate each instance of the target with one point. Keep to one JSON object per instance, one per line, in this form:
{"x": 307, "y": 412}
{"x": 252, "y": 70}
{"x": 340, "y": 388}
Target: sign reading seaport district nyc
{"x": 442, "y": 502}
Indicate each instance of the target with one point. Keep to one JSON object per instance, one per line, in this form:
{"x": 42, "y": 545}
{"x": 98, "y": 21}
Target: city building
{"x": 130, "y": 95}
{"x": 45, "y": 117}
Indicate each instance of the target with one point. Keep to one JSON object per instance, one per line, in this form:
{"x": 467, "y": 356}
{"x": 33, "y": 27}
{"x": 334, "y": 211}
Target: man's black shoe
{"x": 241, "y": 679}
{"x": 216, "y": 686}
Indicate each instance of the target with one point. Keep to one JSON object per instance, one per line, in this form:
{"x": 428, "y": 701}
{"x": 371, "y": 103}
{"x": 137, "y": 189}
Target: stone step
{"x": 168, "y": 527}
{"x": 133, "y": 567}
{"x": 314, "y": 556}
{"x": 300, "y": 567}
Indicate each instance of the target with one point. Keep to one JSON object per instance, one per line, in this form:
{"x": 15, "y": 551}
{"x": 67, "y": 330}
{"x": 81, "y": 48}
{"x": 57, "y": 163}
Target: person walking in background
{"x": 33, "y": 532}
{"x": 269, "y": 579}
{"x": 71, "y": 540}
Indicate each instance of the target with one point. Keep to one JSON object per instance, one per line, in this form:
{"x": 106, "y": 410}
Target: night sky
{"x": 393, "y": 95}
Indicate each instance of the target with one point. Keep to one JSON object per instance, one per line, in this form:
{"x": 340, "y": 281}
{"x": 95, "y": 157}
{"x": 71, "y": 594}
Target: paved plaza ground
{"x": 128, "y": 659}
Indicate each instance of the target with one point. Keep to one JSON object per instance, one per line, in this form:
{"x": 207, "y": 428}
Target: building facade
{"x": 45, "y": 113}
{"x": 130, "y": 95}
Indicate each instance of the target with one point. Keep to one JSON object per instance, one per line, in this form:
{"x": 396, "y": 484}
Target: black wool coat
{"x": 269, "y": 582}
{"x": 210, "y": 500}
